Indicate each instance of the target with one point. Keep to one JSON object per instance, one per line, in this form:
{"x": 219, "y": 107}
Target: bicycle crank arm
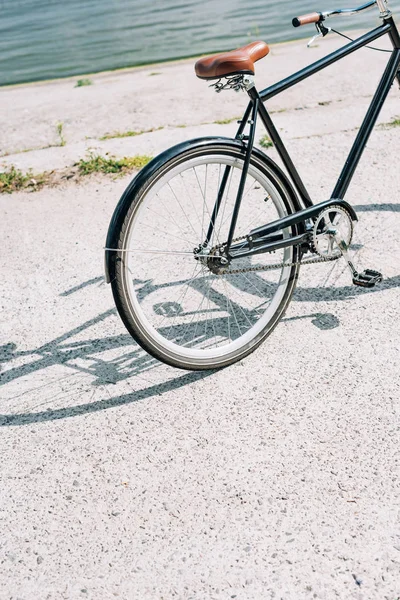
{"x": 368, "y": 278}
{"x": 300, "y": 217}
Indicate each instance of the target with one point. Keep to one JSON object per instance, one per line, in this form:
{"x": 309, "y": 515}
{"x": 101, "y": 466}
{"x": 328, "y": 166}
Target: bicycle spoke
{"x": 168, "y": 220}
{"x": 166, "y": 233}
{"x": 225, "y": 204}
{"x": 191, "y": 201}
{"x": 163, "y": 252}
{"x": 180, "y": 206}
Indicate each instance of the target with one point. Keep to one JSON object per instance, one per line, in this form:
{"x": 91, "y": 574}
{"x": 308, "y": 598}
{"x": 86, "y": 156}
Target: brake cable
{"x": 351, "y": 40}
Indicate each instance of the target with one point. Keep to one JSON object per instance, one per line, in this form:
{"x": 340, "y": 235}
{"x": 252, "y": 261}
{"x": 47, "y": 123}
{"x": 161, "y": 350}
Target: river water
{"x": 42, "y": 39}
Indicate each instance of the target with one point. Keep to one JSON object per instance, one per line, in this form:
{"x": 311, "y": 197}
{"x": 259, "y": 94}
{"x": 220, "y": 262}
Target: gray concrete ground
{"x": 122, "y": 477}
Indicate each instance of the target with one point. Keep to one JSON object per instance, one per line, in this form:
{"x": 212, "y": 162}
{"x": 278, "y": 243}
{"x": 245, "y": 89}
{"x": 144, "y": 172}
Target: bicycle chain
{"x": 281, "y": 265}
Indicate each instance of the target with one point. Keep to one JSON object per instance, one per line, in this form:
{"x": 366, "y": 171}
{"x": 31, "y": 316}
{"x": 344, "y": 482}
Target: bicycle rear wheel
{"x": 174, "y": 306}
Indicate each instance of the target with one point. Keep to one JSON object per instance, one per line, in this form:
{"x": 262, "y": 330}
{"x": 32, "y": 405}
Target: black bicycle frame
{"x": 262, "y": 238}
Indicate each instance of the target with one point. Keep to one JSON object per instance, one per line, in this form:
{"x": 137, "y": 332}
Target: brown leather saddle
{"x": 237, "y": 62}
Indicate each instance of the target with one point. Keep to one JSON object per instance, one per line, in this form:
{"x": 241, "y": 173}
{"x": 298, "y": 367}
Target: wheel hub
{"x": 212, "y": 258}
{"x": 217, "y": 262}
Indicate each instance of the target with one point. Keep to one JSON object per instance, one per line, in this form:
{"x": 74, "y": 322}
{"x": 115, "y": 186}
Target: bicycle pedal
{"x": 368, "y": 278}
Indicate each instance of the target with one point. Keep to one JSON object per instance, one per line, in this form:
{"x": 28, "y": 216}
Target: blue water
{"x": 42, "y": 39}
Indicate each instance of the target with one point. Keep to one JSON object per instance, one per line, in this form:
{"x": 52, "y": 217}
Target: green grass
{"x": 60, "y": 131}
{"x": 154, "y": 73}
{"x": 13, "y": 180}
{"x": 109, "y": 164}
{"x": 124, "y": 134}
{"x": 61, "y": 142}
{"x": 83, "y": 82}
{"x": 265, "y": 142}
{"x": 394, "y": 123}
{"x": 226, "y": 121}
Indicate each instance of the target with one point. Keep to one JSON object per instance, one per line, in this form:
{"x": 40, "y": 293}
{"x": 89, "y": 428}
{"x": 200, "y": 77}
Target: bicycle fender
{"x": 152, "y": 167}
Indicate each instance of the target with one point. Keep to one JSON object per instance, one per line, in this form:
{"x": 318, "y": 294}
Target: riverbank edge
{"x": 144, "y": 66}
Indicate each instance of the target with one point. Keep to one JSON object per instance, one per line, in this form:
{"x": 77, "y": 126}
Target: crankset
{"x": 332, "y": 236}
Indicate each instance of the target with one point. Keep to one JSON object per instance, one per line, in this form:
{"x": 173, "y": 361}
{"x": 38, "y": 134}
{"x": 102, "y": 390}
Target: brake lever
{"x": 322, "y": 32}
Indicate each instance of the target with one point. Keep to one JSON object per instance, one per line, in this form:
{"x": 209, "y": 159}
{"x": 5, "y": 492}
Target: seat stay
{"x": 246, "y": 164}
{"x": 217, "y": 205}
{"x": 224, "y": 180}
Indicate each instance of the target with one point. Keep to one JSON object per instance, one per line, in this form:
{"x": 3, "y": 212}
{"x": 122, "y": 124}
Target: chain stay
{"x": 281, "y": 265}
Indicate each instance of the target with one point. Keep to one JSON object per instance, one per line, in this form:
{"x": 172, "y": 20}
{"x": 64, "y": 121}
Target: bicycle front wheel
{"x": 174, "y": 306}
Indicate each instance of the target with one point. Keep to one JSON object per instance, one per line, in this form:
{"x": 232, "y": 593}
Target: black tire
{"x": 155, "y": 253}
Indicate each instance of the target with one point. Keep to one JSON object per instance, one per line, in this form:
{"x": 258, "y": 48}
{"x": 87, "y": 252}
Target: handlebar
{"x": 318, "y": 17}
{"x": 306, "y": 19}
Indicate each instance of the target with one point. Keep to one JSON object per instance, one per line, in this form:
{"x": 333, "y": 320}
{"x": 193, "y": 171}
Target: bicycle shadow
{"x": 135, "y": 361}
{"x": 16, "y": 420}
{"x": 83, "y": 356}
{"x": 384, "y": 207}
{"x": 62, "y": 351}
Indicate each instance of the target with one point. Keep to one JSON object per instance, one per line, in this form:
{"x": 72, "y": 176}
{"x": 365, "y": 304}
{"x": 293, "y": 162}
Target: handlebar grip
{"x": 306, "y": 19}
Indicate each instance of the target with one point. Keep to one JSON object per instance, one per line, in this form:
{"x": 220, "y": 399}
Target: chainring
{"x": 332, "y": 223}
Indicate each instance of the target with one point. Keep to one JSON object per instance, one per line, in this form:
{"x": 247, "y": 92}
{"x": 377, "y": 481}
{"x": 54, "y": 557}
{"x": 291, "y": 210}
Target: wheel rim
{"x": 177, "y": 304}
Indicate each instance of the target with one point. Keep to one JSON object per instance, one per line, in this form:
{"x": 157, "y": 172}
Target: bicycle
{"x": 183, "y": 239}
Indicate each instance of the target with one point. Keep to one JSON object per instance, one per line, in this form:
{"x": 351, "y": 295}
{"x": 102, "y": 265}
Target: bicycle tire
{"x": 163, "y": 326}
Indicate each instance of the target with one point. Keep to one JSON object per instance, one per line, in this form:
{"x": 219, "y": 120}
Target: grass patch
{"x": 61, "y": 142}
{"x": 124, "y": 134}
{"x": 83, "y": 82}
{"x": 109, "y": 164}
{"x": 265, "y": 141}
{"x": 154, "y": 73}
{"x": 394, "y": 122}
{"x": 60, "y": 131}
{"x": 226, "y": 121}
{"x": 280, "y": 110}
{"x": 13, "y": 180}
